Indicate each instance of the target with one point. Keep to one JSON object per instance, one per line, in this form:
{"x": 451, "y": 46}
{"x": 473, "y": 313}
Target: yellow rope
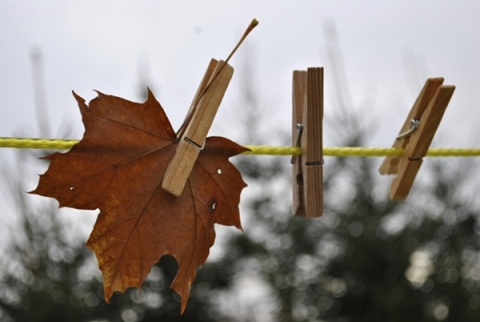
{"x": 28, "y": 143}
{"x": 57, "y": 144}
{"x": 327, "y": 151}
{"x": 359, "y": 151}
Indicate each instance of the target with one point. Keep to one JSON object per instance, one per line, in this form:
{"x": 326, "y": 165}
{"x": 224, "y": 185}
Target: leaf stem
{"x": 250, "y": 27}
{"x": 184, "y": 125}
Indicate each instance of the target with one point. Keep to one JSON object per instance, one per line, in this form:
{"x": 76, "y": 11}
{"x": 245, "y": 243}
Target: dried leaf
{"x": 118, "y": 168}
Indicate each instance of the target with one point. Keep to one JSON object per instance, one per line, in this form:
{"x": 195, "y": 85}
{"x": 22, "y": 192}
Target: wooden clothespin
{"x": 198, "y": 121}
{"x": 307, "y": 132}
{"x": 416, "y": 135}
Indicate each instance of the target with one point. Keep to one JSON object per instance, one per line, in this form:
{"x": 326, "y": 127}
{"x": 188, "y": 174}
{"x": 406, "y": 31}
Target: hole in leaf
{"x": 212, "y": 205}
{"x": 71, "y": 188}
{"x": 219, "y": 171}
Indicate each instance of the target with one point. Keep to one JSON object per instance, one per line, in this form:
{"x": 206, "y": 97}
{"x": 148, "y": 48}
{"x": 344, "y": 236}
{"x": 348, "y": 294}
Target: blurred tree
{"x": 46, "y": 275}
{"x": 367, "y": 258}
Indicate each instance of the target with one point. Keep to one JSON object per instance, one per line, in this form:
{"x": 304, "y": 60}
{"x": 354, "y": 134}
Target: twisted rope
{"x": 59, "y": 144}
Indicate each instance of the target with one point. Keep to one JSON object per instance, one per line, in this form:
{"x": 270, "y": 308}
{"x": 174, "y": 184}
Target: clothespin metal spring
{"x": 414, "y": 123}
{"x": 300, "y": 128}
{"x": 195, "y": 144}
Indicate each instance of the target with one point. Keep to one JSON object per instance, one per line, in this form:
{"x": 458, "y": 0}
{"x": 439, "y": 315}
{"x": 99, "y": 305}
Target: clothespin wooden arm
{"x": 308, "y": 168}
{"x": 312, "y": 144}
{"x": 206, "y": 80}
{"x": 299, "y": 97}
{"x": 204, "y": 108}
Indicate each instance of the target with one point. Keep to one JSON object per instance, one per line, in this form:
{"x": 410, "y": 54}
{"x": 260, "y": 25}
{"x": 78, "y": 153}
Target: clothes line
{"x": 61, "y": 144}
{"x": 360, "y": 151}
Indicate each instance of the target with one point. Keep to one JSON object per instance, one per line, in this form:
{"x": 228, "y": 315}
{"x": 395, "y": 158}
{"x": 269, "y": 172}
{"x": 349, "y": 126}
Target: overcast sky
{"x": 389, "y": 48}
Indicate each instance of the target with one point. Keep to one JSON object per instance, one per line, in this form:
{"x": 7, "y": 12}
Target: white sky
{"x": 99, "y": 45}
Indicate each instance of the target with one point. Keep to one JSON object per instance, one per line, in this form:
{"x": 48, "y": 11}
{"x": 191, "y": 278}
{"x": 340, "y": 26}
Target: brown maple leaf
{"x": 118, "y": 168}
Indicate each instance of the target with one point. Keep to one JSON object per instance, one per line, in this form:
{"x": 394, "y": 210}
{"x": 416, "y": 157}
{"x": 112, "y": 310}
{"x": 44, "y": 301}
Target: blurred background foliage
{"x": 366, "y": 259}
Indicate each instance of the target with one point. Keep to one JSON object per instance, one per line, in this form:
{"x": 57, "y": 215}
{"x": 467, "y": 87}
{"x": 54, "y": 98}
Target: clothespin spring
{"x": 414, "y": 123}
{"x": 300, "y": 127}
{"x": 195, "y": 144}
{"x": 321, "y": 162}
